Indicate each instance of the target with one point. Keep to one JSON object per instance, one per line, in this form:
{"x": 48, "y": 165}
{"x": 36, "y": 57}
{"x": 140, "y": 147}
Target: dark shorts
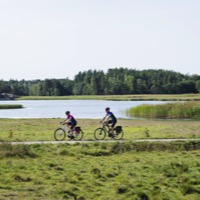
{"x": 72, "y": 124}
{"x": 112, "y": 122}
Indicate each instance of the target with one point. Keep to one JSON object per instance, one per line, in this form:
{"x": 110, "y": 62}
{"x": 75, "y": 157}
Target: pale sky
{"x": 42, "y": 39}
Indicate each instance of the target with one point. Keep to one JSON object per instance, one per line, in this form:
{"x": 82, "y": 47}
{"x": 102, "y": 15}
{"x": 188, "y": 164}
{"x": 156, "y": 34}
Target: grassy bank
{"x": 10, "y": 106}
{"x": 186, "y": 110}
{"x": 43, "y": 129}
{"x": 138, "y": 97}
{"x": 101, "y": 171}
{"x": 114, "y": 171}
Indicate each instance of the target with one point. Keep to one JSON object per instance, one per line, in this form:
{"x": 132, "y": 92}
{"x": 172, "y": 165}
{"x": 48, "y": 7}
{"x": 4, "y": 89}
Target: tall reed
{"x": 178, "y": 110}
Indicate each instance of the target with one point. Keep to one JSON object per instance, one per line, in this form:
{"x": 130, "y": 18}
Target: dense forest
{"x": 114, "y": 82}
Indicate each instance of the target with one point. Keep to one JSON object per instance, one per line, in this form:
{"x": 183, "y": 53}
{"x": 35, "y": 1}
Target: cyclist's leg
{"x": 113, "y": 126}
{"x": 73, "y": 126}
{"x": 69, "y": 125}
{"x": 110, "y": 126}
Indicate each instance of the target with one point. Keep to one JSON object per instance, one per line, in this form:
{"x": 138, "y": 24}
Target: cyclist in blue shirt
{"x": 109, "y": 119}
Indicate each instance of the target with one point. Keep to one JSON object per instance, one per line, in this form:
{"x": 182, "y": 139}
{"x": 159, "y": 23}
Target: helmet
{"x": 67, "y": 113}
{"x": 107, "y": 109}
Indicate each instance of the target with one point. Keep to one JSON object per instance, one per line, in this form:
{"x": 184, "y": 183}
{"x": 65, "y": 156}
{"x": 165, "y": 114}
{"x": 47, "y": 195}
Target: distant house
{"x": 7, "y": 96}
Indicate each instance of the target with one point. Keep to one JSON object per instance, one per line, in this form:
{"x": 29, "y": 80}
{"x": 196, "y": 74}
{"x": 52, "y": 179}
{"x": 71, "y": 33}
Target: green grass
{"x": 10, "y": 106}
{"x": 100, "y": 171}
{"x": 133, "y": 97}
{"x": 43, "y": 129}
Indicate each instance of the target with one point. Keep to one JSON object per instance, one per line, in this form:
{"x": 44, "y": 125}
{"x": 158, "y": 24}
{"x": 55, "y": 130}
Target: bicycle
{"x": 100, "y": 133}
{"x": 75, "y": 134}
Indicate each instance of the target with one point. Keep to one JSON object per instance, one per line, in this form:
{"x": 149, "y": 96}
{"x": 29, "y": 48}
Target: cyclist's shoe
{"x": 111, "y": 135}
{"x": 70, "y": 136}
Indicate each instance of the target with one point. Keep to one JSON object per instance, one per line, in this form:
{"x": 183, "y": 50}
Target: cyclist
{"x": 109, "y": 119}
{"x": 70, "y": 121}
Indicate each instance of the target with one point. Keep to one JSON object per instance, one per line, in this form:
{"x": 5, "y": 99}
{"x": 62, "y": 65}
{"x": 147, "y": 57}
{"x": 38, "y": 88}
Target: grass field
{"x": 114, "y": 171}
{"x": 43, "y": 129}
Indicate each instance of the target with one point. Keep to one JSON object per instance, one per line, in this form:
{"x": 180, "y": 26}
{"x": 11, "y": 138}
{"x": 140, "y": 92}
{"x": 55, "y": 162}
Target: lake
{"x": 92, "y": 109}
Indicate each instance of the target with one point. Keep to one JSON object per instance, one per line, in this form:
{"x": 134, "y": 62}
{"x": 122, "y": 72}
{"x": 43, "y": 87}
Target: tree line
{"x": 113, "y": 82}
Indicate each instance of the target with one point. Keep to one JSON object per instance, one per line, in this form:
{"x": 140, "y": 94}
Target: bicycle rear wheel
{"x": 99, "y": 134}
{"x": 118, "y": 136}
{"x": 59, "y": 134}
{"x": 78, "y": 136}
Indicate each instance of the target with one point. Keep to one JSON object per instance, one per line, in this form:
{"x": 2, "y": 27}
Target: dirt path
{"x": 73, "y": 142}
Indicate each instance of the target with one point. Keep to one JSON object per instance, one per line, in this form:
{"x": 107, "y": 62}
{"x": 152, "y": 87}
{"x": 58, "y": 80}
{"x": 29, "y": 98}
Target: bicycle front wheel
{"x": 99, "y": 134}
{"x": 118, "y": 136}
{"x": 78, "y": 136}
{"x": 59, "y": 134}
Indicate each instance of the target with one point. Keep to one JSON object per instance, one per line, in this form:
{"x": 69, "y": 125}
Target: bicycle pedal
{"x": 111, "y": 135}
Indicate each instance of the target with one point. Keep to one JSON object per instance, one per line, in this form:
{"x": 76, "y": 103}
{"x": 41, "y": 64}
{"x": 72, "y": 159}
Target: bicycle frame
{"x": 106, "y": 127}
{"x": 68, "y": 129}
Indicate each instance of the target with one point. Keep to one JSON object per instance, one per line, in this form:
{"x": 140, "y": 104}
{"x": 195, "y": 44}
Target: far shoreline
{"x": 128, "y": 97}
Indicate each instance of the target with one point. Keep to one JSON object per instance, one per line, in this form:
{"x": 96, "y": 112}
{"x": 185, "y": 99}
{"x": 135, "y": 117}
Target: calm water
{"x": 79, "y": 108}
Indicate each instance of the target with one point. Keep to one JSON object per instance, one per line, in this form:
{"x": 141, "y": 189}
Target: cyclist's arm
{"x": 64, "y": 121}
{"x": 105, "y": 119}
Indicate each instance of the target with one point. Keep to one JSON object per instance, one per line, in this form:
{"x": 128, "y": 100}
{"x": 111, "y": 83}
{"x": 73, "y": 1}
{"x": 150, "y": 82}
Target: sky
{"x": 41, "y": 39}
